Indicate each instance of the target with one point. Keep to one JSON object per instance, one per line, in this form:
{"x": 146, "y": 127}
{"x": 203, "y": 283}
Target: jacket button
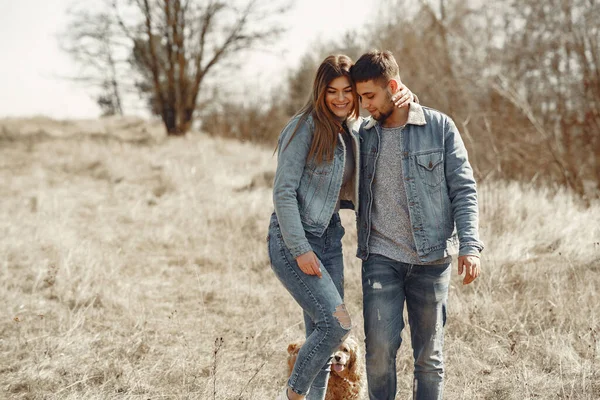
{"x": 430, "y": 164}
{"x": 405, "y": 154}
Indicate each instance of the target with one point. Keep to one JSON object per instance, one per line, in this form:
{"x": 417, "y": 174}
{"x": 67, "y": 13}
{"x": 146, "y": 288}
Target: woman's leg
{"x": 320, "y": 299}
{"x": 328, "y": 249}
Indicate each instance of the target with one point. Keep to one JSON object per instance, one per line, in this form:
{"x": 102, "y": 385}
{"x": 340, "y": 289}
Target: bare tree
{"x": 180, "y": 41}
{"x": 553, "y": 73}
{"x": 175, "y": 44}
{"x": 91, "y": 40}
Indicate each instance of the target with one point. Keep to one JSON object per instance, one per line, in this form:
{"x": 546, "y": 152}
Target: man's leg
{"x": 383, "y": 302}
{"x": 426, "y": 300}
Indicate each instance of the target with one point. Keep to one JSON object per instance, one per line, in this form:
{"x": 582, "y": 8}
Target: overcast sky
{"x": 32, "y": 63}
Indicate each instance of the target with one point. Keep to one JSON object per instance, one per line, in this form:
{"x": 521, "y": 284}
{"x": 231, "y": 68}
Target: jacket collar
{"x": 416, "y": 116}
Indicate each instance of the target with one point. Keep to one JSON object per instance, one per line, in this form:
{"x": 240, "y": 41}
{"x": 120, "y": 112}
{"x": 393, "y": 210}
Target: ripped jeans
{"x": 387, "y": 285}
{"x": 326, "y": 320}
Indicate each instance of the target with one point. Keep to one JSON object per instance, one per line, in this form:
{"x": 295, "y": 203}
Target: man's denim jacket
{"x": 305, "y": 193}
{"x": 439, "y": 183}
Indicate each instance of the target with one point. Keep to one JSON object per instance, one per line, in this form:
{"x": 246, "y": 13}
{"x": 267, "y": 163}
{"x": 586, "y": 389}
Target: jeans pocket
{"x": 341, "y": 231}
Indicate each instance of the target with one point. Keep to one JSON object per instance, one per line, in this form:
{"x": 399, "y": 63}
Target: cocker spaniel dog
{"x": 345, "y": 379}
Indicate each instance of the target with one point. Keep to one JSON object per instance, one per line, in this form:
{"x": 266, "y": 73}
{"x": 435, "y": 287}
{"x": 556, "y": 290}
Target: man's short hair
{"x": 380, "y": 66}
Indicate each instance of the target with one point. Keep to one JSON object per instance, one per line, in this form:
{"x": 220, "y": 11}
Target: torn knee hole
{"x": 341, "y": 314}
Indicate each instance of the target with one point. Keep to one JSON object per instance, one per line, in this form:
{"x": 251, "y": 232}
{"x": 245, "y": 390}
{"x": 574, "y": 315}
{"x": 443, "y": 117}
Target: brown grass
{"x": 135, "y": 267}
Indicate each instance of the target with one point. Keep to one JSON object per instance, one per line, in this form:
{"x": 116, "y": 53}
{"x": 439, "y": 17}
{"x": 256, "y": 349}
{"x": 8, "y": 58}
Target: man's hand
{"x": 309, "y": 264}
{"x": 471, "y": 265}
{"x": 403, "y": 97}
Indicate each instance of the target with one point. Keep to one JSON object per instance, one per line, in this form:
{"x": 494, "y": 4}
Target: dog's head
{"x": 342, "y": 363}
{"x": 344, "y": 359}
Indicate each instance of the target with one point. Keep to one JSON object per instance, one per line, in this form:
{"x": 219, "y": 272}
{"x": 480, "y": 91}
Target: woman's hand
{"x": 309, "y": 264}
{"x": 403, "y": 97}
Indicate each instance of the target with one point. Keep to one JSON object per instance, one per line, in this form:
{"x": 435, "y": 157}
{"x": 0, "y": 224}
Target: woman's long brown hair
{"x": 327, "y": 125}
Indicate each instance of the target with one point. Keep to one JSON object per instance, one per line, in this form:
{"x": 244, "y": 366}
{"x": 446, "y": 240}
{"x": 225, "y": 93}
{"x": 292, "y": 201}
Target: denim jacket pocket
{"x": 430, "y": 167}
{"x": 322, "y": 168}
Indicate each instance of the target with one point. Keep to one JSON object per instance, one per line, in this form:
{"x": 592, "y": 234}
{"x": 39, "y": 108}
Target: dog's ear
{"x": 293, "y": 348}
{"x": 352, "y": 343}
{"x": 354, "y": 353}
{"x": 351, "y": 360}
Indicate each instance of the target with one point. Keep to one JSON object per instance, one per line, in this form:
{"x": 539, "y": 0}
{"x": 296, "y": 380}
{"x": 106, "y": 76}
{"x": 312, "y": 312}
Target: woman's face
{"x": 339, "y": 97}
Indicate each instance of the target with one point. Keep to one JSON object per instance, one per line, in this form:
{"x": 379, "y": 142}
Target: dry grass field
{"x": 133, "y": 266}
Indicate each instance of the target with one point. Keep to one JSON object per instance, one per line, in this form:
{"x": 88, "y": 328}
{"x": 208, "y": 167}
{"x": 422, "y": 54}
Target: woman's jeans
{"x": 325, "y": 316}
{"x": 387, "y": 285}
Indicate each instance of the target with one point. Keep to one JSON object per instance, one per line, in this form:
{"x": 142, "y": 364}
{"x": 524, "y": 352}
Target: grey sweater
{"x": 391, "y": 231}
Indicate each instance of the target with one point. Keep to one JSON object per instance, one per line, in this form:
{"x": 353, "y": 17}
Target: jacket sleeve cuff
{"x": 470, "y": 249}
{"x": 301, "y": 249}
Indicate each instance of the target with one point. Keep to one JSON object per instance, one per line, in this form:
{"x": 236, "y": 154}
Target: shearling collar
{"x": 354, "y": 124}
{"x": 416, "y": 116}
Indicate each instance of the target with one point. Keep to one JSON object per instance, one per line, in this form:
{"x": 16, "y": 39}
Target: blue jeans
{"x": 387, "y": 285}
{"x": 325, "y": 315}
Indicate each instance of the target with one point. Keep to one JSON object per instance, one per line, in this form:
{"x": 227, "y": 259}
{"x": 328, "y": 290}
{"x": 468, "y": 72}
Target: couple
{"x": 406, "y": 174}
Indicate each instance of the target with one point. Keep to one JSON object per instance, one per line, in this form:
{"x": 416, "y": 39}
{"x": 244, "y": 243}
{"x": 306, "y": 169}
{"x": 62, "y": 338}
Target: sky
{"x": 34, "y": 71}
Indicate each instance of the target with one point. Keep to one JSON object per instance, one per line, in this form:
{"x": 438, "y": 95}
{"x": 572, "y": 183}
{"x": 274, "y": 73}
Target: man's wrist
{"x": 470, "y": 255}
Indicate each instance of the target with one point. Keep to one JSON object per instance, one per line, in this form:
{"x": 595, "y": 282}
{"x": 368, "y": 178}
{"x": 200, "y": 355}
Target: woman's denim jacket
{"x": 439, "y": 183}
{"x": 305, "y": 193}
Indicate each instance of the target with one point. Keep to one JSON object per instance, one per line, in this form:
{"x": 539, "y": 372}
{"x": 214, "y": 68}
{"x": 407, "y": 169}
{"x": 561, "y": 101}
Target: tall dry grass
{"x": 135, "y": 267}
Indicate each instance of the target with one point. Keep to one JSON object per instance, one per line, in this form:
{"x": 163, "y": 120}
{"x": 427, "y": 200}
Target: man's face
{"x": 377, "y": 100}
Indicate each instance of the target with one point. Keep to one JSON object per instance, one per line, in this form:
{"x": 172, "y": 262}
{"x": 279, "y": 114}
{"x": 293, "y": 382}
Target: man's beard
{"x": 383, "y": 115}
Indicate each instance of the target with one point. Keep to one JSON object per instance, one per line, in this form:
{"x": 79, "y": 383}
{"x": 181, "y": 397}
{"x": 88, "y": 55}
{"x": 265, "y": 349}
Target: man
{"x": 416, "y": 186}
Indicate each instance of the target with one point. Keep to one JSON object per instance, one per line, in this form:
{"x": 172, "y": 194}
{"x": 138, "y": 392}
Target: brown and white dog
{"x": 345, "y": 378}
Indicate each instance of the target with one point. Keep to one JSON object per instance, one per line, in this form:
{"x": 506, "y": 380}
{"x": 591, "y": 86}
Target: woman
{"x": 316, "y": 176}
